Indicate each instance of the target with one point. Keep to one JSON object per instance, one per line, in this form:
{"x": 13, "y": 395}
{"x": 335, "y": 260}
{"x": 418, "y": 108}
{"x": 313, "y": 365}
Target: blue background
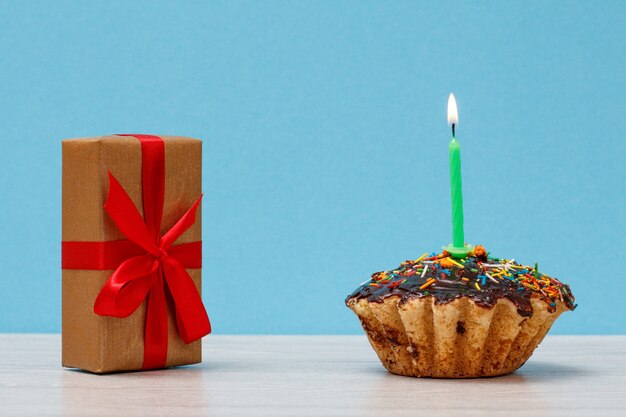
{"x": 325, "y": 142}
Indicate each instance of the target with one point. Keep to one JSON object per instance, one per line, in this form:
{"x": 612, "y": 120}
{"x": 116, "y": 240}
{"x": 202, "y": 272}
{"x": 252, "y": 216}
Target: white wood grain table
{"x": 312, "y": 376}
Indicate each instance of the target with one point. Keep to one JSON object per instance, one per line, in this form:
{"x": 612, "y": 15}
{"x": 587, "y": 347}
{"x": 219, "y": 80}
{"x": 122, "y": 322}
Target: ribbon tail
{"x": 155, "y": 339}
{"x": 184, "y": 223}
{"x": 191, "y": 317}
{"x": 126, "y": 217}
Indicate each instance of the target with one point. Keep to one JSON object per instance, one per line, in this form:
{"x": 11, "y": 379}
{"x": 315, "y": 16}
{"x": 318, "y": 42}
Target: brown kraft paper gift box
{"x": 108, "y": 344}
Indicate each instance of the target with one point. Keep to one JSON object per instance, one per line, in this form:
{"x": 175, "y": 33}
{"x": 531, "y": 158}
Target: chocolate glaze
{"x": 448, "y": 286}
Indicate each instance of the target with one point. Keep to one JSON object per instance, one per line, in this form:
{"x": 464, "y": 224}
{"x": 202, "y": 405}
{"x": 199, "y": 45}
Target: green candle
{"x": 458, "y": 248}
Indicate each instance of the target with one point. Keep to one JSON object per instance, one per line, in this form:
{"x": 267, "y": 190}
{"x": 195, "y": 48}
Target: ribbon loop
{"x": 127, "y": 287}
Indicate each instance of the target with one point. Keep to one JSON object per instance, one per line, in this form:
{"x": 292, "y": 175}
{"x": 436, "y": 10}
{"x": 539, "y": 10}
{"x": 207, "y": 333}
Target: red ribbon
{"x": 146, "y": 265}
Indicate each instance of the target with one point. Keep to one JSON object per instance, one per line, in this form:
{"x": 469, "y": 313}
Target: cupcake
{"x": 444, "y": 317}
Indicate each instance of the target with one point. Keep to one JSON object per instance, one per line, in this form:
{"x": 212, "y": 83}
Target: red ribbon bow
{"x": 146, "y": 265}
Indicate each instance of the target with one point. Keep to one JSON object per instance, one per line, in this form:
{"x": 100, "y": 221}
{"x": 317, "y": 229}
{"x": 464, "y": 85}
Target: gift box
{"x": 131, "y": 253}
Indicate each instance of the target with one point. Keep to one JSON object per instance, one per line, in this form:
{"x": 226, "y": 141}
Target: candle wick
{"x": 453, "y": 135}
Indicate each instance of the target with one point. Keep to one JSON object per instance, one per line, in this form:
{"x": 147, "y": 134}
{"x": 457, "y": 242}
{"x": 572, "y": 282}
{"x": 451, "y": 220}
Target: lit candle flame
{"x": 453, "y": 115}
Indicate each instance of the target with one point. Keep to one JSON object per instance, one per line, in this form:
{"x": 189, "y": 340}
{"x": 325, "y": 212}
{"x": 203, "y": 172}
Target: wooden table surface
{"x": 312, "y": 376}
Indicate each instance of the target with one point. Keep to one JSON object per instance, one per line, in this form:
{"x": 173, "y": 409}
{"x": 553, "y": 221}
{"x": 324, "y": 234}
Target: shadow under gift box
{"x": 108, "y": 344}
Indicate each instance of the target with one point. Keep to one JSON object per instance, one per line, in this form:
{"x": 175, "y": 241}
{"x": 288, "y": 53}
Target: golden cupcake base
{"x": 459, "y": 339}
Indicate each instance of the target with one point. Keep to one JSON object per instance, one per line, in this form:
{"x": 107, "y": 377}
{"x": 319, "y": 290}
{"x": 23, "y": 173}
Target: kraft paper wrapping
{"x": 107, "y": 344}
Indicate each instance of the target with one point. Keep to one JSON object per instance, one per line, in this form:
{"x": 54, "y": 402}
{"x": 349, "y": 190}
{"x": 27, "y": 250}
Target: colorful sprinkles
{"x": 477, "y": 272}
